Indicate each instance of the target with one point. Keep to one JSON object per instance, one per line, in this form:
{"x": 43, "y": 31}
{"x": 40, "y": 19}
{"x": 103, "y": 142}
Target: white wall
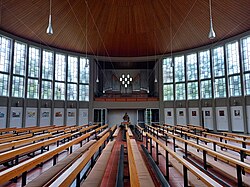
{"x": 169, "y": 116}
{"x": 222, "y": 118}
{"x": 3, "y": 112}
{"x": 71, "y": 116}
{"x": 45, "y": 116}
{"x": 181, "y": 116}
{"x": 237, "y": 119}
{"x": 31, "y": 117}
{"x": 208, "y": 117}
{"x": 194, "y": 116}
{"x": 115, "y": 116}
{"x": 248, "y": 118}
{"x": 16, "y": 114}
{"x": 58, "y": 116}
{"x": 83, "y": 116}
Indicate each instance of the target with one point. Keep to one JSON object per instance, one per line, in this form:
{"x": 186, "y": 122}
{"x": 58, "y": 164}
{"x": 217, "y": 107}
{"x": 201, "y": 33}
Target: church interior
{"x": 125, "y": 93}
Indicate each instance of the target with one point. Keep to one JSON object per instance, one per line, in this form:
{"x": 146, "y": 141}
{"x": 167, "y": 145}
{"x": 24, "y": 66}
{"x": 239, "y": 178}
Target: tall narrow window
{"x": 168, "y": 78}
{"x": 84, "y": 79}
{"x": 5, "y": 61}
{"x": 33, "y": 72}
{"x": 60, "y": 75}
{"x": 219, "y": 72}
{"x": 204, "y": 61}
{"x": 168, "y": 92}
{"x": 179, "y": 69}
{"x": 193, "y": 90}
{"x": 235, "y": 85}
{"x": 47, "y": 74}
{"x": 192, "y": 76}
{"x": 180, "y": 91}
{"x": 19, "y": 65}
{"x": 205, "y": 75}
{"x": 232, "y": 55}
{"x": 245, "y": 48}
{"x": 192, "y": 67}
{"x": 72, "y": 78}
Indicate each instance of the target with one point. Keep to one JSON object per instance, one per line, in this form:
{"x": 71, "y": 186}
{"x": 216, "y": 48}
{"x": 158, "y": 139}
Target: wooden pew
{"x": 95, "y": 177}
{"x": 7, "y": 130}
{"x": 23, "y": 167}
{"x": 144, "y": 177}
{"x": 186, "y": 165}
{"x": 18, "y": 143}
{"x": 116, "y": 132}
{"x": 16, "y": 153}
{"x": 239, "y": 165}
{"x": 134, "y": 178}
{"x": 14, "y": 138}
{"x": 48, "y": 176}
{"x": 6, "y": 135}
{"x": 226, "y": 138}
{"x": 244, "y": 137}
{"x": 72, "y": 172}
{"x": 242, "y": 151}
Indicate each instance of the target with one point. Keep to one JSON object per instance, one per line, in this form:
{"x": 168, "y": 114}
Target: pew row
{"x": 138, "y": 172}
{"x": 73, "y": 172}
{"x": 23, "y": 167}
{"x": 95, "y": 177}
{"x": 167, "y": 153}
{"x": 47, "y": 177}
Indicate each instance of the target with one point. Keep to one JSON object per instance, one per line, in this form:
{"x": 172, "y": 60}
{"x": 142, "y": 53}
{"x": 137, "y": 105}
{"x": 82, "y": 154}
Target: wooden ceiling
{"x": 124, "y": 28}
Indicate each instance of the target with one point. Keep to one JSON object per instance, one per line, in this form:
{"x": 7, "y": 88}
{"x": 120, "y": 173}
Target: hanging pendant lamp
{"x": 211, "y": 34}
{"x": 49, "y": 28}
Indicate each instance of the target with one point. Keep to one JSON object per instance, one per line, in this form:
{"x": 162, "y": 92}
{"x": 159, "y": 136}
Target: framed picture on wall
{"x": 181, "y": 113}
{"x": 169, "y": 113}
{"x": 221, "y": 113}
{"x": 207, "y": 113}
{"x": 237, "y": 113}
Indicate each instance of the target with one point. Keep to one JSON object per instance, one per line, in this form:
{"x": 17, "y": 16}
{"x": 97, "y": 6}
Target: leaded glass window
{"x": 206, "y": 89}
{"x": 84, "y": 92}
{"x": 168, "y": 92}
{"x": 60, "y": 68}
{"x": 32, "y": 89}
{"x": 204, "y": 62}
{"x": 192, "y": 67}
{"x": 219, "y": 88}
{"x": 235, "y": 85}
{"x": 5, "y": 56}
{"x": 245, "y": 45}
{"x": 168, "y": 70}
{"x": 218, "y": 61}
{"x": 72, "y": 92}
{"x": 4, "y": 79}
{"x": 34, "y": 62}
{"x": 17, "y": 86}
{"x": 47, "y": 65}
{"x": 72, "y": 69}
{"x": 19, "y": 58}
{"x": 59, "y": 91}
{"x": 247, "y": 83}
{"x": 232, "y": 51}
{"x": 179, "y": 69}
{"x": 46, "y": 90}
{"x": 192, "y": 90}
{"x": 84, "y": 70}
{"x": 180, "y": 91}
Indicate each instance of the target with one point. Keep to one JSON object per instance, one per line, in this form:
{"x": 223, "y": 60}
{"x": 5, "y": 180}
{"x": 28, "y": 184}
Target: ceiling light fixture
{"x": 211, "y": 34}
{"x": 49, "y": 28}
